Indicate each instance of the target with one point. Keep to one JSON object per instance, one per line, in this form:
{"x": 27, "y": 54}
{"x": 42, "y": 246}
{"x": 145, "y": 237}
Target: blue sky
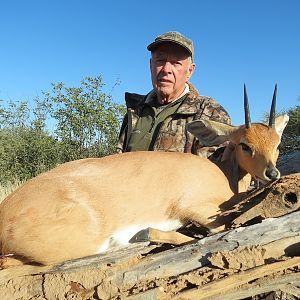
{"x": 236, "y": 41}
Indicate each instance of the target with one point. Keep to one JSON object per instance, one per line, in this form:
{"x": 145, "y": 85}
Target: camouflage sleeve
{"x": 122, "y": 136}
{"x": 213, "y": 111}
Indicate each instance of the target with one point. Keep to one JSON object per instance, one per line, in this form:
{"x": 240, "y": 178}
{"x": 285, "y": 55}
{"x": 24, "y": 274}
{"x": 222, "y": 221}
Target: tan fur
{"x": 264, "y": 142}
{"x": 260, "y": 138}
{"x": 75, "y": 209}
{"x": 69, "y": 211}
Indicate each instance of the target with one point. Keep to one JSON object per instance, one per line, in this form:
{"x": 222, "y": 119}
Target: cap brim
{"x": 154, "y": 45}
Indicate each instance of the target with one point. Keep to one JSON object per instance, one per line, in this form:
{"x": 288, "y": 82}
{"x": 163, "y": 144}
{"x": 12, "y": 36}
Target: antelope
{"x": 85, "y": 207}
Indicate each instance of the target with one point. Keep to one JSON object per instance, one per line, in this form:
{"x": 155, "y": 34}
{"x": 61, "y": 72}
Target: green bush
{"x": 291, "y": 134}
{"x": 87, "y": 119}
{"x": 86, "y": 123}
{"x": 24, "y": 153}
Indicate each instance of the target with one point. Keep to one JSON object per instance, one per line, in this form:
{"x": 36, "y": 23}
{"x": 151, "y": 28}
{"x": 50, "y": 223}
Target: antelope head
{"x": 255, "y": 145}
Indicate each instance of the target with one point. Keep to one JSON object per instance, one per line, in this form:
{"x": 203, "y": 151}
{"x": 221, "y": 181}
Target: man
{"x": 157, "y": 121}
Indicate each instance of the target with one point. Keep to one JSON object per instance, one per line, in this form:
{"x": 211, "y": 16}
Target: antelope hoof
{"x": 8, "y": 261}
{"x": 141, "y": 236}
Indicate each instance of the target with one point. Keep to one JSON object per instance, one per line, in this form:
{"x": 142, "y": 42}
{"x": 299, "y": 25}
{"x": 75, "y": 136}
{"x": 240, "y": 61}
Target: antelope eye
{"x": 246, "y": 148}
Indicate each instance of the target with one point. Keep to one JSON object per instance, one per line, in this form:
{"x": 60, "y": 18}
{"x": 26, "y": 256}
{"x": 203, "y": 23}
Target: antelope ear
{"x": 280, "y": 123}
{"x": 210, "y": 133}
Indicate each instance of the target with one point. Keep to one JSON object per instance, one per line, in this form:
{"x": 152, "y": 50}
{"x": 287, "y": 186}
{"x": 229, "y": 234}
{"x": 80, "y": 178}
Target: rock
{"x": 289, "y": 163}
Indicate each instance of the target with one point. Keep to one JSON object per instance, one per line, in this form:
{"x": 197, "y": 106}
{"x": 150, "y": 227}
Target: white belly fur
{"x": 122, "y": 236}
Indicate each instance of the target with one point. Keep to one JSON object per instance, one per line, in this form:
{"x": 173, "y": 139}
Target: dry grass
{"x": 5, "y": 190}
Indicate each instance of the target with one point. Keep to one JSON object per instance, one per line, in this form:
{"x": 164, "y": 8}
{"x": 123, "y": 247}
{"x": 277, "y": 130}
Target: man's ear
{"x": 210, "y": 133}
{"x": 191, "y": 71}
{"x": 280, "y": 123}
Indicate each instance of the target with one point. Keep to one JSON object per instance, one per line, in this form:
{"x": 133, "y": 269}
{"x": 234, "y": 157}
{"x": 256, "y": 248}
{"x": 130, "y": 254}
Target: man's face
{"x": 171, "y": 68}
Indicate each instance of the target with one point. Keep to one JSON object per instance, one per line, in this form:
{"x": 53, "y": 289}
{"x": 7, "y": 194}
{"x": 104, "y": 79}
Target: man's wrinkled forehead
{"x": 171, "y": 50}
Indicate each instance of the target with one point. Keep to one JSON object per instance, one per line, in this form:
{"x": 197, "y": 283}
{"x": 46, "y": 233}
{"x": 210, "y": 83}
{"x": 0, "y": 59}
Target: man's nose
{"x": 167, "y": 67}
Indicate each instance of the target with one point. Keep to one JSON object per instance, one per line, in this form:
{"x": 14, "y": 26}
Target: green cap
{"x": 176, "y": 38}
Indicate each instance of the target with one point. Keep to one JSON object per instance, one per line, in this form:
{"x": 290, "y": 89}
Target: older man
{"x": 157, "y": 121}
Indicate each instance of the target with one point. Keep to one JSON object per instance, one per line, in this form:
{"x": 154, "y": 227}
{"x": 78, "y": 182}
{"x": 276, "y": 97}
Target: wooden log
{"x": 237, "y": 286}
{"x": 275, "y": 199}
{"x": 108, "y": 277}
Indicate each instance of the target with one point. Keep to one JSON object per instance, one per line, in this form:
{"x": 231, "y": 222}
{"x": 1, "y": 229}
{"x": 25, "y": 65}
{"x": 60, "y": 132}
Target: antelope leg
{"x": 160, "y": 236}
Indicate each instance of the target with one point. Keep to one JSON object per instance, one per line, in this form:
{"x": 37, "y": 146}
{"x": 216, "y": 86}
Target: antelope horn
{"x": 272, "y": 111}
{"x": 246, "y": 109}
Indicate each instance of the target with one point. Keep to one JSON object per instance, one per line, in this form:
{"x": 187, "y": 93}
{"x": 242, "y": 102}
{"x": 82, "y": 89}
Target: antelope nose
{"x": 272, "y": 173}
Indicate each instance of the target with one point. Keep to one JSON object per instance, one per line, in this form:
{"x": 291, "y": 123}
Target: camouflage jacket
{"x": 172, "y": 135}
